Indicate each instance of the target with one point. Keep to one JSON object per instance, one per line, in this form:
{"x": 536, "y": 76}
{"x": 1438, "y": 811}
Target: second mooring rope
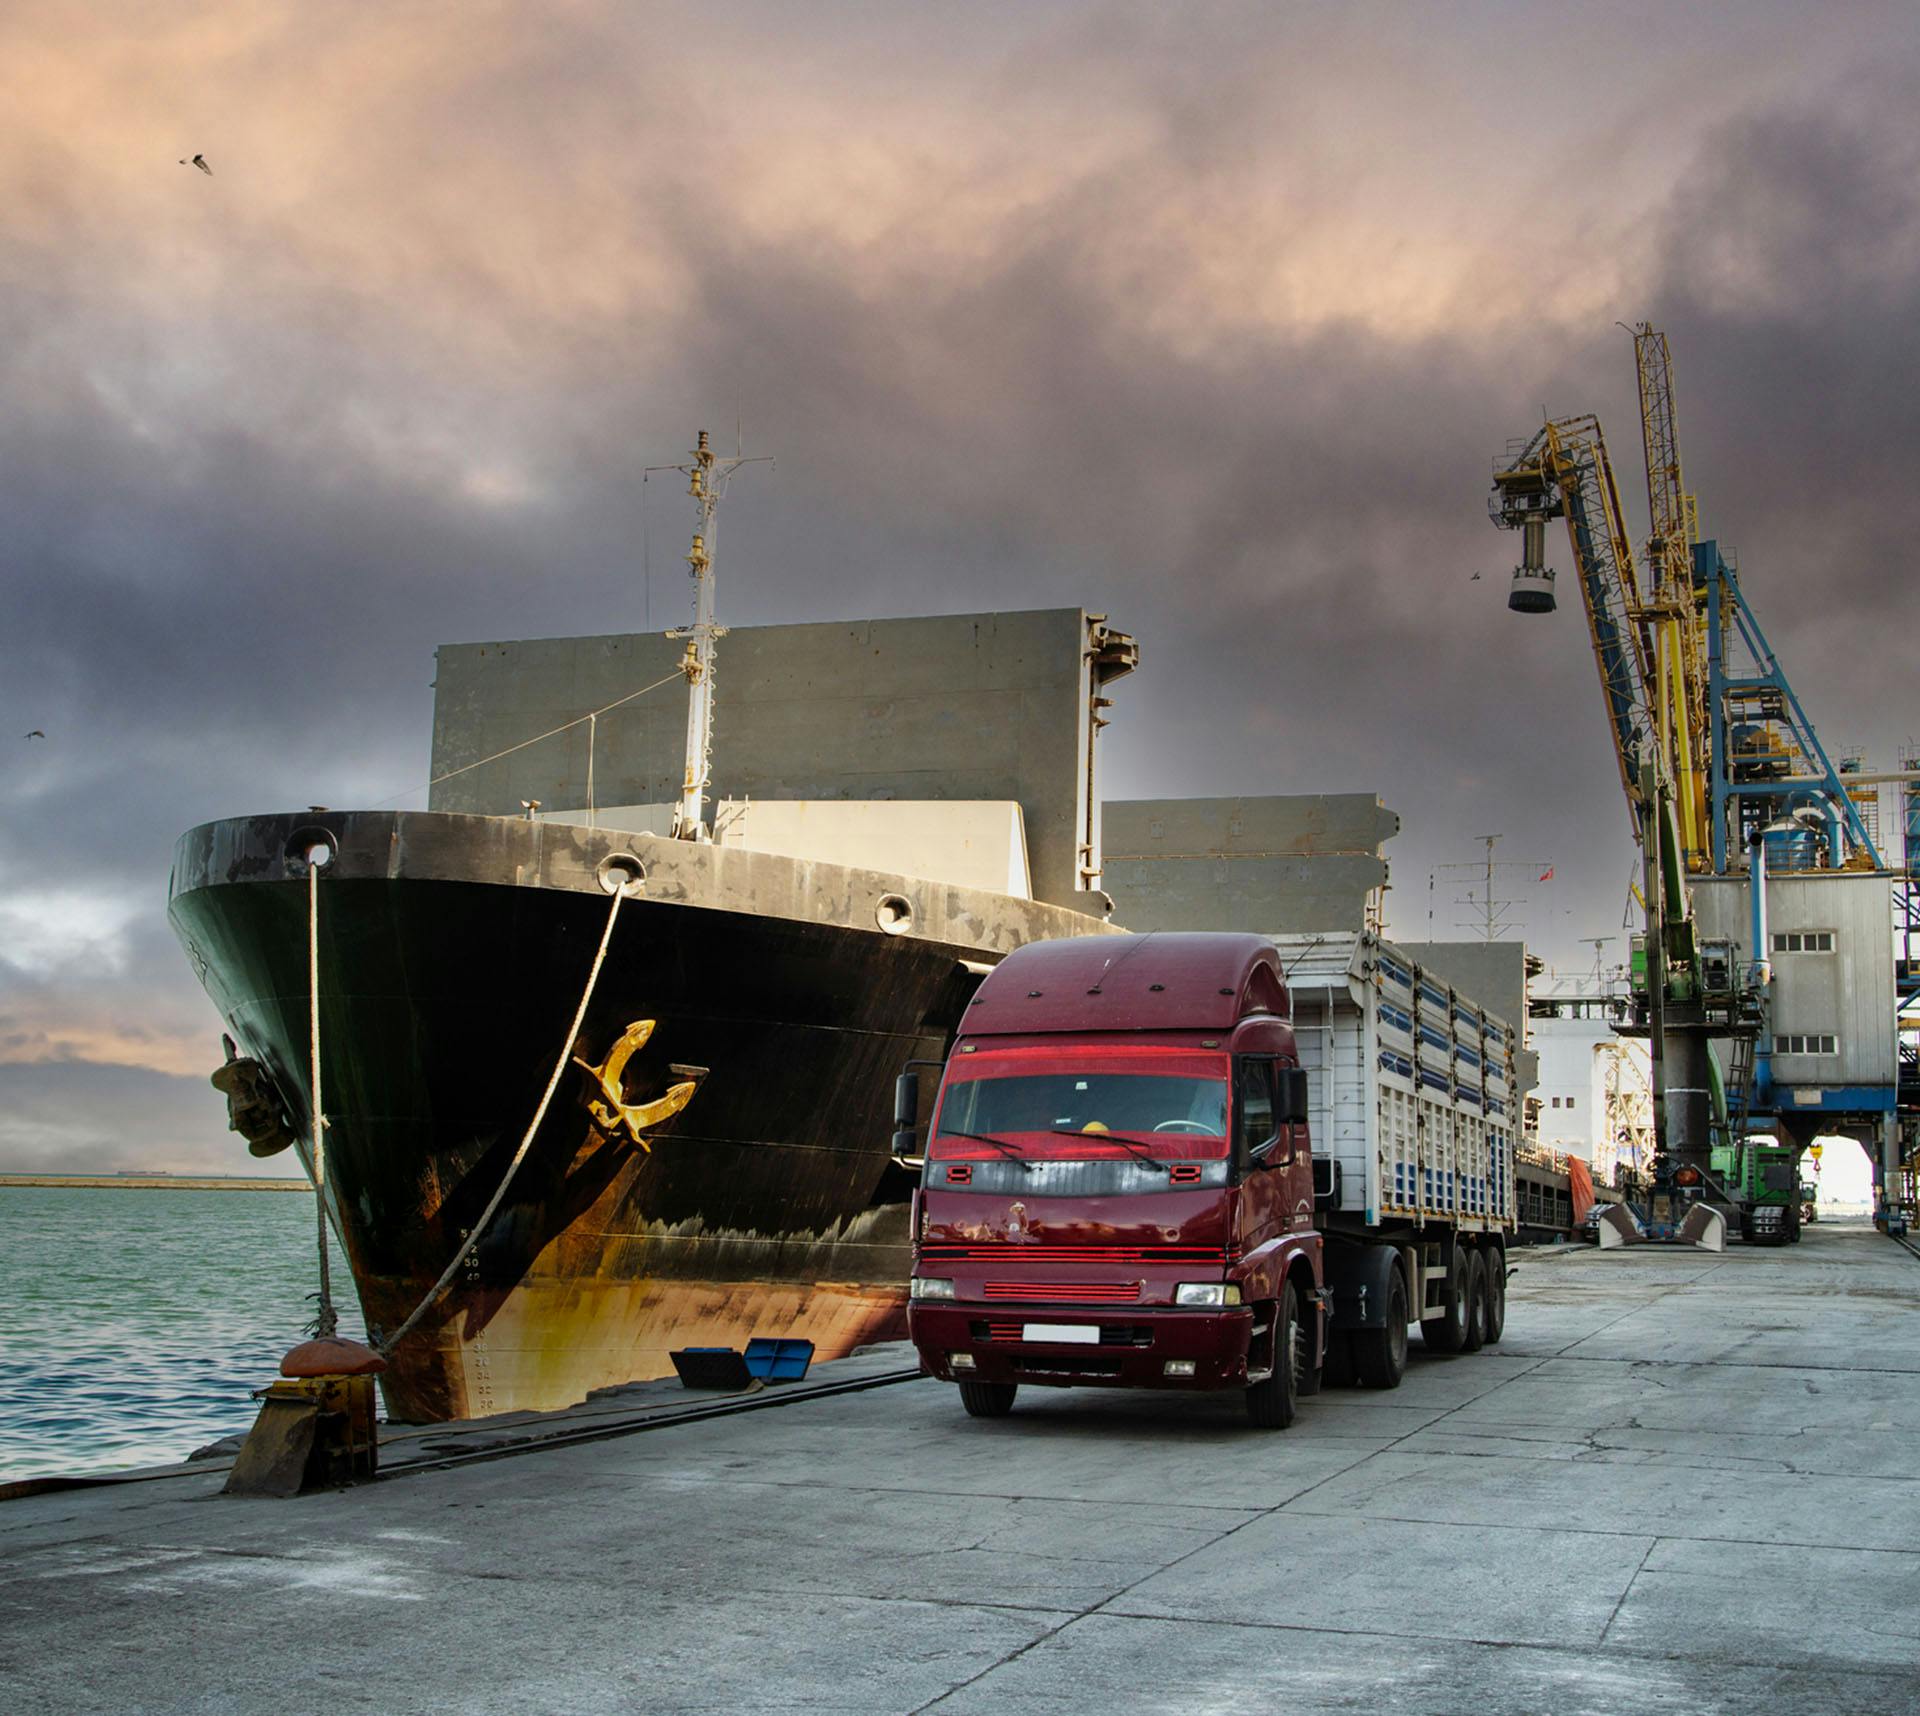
{"x": 326, "y": 1320}
{"x": 387, "y": 1343}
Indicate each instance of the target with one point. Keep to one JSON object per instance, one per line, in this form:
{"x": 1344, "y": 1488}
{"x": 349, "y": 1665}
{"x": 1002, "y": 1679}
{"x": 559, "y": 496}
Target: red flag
{"x": 1548, "y": 876}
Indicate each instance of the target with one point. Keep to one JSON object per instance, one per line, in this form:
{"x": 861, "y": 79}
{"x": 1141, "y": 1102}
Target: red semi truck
{"x": 1207, "y": 1162}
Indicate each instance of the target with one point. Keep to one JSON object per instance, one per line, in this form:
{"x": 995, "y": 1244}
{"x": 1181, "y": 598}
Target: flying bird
{"x": 1474, "y": 579}
{"x": 199, "y": 161}
{"x": 36, "y": 734}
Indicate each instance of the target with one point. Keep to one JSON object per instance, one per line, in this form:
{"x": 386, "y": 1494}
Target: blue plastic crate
{"x": 779, "y": 1360}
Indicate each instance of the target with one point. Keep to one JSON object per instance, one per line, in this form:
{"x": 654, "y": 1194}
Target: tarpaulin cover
{"x": 1581, "y": 1185}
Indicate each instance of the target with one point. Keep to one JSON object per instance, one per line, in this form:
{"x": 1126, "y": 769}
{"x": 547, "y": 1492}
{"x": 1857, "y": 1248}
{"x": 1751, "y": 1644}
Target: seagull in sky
{"x": 199, "y": 161}
{"x": 36, "y": 734}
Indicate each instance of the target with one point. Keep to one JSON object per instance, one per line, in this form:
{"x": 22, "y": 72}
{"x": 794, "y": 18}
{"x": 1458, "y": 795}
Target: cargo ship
{"x": 715, "y": 1160}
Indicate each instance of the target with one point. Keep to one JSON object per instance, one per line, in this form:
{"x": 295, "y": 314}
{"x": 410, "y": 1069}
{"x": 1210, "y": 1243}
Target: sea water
{"x": 136, "y": 1324}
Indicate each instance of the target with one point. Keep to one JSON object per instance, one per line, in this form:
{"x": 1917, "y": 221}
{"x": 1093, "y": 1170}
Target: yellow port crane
{"x": 1648, "y": 646}
{"x": 1720, "y": 767}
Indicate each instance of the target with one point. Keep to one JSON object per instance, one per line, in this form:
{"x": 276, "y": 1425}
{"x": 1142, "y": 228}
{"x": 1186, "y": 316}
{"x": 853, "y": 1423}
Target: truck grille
{"x": 1064, "y": 1292}
{"x": 1066, "y": 1364}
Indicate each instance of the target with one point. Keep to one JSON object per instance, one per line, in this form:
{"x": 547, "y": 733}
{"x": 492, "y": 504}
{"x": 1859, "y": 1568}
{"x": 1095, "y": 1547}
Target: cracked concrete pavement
{"x": 1681, "y": 1482}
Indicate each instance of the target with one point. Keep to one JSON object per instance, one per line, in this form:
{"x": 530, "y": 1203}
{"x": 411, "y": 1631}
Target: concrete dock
{"x": 1681, "y": 1483}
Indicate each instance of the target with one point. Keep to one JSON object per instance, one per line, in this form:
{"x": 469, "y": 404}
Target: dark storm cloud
{"x": 1215, "y": 329}
{"x": 91, "y": 1119}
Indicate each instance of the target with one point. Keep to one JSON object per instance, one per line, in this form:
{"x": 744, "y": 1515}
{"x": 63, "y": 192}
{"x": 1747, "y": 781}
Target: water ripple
{"x": 135, "y": 1325}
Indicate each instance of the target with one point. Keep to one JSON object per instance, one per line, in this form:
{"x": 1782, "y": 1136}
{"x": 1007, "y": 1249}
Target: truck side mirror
{"x": 906, "y": 1112}
{"x": 1291, "y": 1096}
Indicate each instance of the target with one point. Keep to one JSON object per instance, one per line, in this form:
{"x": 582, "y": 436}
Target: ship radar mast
{"x": 707, "y": 478}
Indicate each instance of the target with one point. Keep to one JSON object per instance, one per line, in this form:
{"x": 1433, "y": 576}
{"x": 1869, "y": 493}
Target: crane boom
{"x": 1676, "y": 606}
{"x": 1564, "y": 472}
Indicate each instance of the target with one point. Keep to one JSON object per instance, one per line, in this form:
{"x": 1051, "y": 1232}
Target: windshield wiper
{"x": 1012, "y": 1152}
{"x": 1139, "y": 1152}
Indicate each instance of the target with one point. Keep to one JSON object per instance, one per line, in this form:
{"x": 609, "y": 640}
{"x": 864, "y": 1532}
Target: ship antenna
{"x": 707, "y": 477}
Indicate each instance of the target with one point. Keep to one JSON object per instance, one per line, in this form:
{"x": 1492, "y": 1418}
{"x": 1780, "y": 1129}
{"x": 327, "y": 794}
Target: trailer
{"x": 1414, "y": 1112}
{"x": 1209, "y": 1162}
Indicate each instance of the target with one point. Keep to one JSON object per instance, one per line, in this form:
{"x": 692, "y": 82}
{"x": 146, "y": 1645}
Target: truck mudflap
{"x": 1046, "y": 1346}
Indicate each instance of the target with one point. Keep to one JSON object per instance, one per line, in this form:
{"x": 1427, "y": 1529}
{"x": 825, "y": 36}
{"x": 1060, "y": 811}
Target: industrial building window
{"x": 1803, "y": 941}
{"x": 1806, "y": 1045}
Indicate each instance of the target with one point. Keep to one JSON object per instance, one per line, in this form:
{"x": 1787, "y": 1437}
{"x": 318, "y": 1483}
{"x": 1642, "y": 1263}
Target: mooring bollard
{"x": 316, "y": 1426}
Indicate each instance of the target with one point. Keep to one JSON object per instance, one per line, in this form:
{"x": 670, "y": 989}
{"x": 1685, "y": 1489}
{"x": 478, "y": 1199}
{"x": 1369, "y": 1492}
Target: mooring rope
{"x": 387, "y": 1343}
{"x": 326, "y": 1321}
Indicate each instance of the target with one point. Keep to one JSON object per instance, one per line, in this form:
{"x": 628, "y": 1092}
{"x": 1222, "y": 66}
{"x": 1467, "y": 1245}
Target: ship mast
{"x": 707, "y": 479}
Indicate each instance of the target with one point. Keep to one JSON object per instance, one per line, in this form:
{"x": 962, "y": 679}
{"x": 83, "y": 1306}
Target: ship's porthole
{"x": 622, "y": 873}
{"x": 310, "y": 849}
{"x": 894, "y": 914}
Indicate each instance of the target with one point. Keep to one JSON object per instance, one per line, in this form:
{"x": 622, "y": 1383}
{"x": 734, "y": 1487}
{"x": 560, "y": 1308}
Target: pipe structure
{"x": 1762, "y": 973}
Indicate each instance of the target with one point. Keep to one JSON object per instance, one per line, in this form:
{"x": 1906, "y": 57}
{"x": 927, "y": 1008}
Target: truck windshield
{"x": 1092, "y": 1102}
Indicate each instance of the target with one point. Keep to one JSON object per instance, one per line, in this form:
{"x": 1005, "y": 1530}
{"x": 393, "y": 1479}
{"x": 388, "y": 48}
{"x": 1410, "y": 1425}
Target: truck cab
{"x": 1118, "y": 1180}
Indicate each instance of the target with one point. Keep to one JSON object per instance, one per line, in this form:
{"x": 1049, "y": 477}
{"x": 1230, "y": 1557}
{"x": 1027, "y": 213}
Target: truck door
{"x": 1258, "y": 1143}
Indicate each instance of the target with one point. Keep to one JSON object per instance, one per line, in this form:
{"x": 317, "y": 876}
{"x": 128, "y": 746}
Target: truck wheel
{"x": 1476, "y": 1332}
{"x": 1380, "y": 1355}
{"x": 1271, "y": 1405}
{"x": 1447, "y": 1333}
{"x": 1496, "y": 1294}
{"x": 987, "y": 1399}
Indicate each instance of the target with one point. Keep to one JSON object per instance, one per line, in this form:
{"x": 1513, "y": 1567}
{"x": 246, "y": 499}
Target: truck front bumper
{"x": 1131, "y": 1348}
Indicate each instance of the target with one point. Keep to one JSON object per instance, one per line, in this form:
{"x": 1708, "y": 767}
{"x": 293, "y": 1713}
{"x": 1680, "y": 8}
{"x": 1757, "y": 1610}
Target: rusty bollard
{"x": 316, "y": 1426}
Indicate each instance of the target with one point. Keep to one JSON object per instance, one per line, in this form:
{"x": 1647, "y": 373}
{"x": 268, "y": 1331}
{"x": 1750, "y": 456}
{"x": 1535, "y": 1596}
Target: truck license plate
{"x": 1083, "y": 1334}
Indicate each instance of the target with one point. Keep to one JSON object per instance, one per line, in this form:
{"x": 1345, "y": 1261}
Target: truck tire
{"x": 1447, "y": 1332}
{"x": 1476, "y": 1332}
{"x": 1496, "y": 1294}
{"x": 987, "y": 1399}
{"x": 1380, "y": 1355}
{"x": 1272, "y": 1405}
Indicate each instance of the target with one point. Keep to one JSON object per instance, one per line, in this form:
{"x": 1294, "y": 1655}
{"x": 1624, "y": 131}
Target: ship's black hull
{"x": 769, "y": 1204}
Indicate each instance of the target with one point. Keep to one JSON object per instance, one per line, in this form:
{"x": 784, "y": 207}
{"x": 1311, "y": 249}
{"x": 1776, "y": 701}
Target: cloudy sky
{"x": 1208, "y": 317}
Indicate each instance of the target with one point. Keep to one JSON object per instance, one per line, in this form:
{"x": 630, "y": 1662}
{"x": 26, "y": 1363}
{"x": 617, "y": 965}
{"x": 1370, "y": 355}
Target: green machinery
{"x": 1763, "y": 1176}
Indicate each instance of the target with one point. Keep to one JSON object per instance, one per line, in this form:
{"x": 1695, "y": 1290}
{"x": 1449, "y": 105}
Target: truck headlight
{"x": 1205, "y": 1293}
{"x": 929, "y": 1287}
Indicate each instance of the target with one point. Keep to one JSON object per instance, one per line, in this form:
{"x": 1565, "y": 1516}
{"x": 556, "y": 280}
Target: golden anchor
{"x": 610, "y": 1109}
